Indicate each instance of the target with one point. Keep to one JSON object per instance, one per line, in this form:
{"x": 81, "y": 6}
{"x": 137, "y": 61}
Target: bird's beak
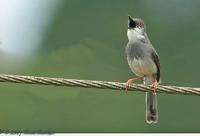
{"x": 131, "y": 23}
{"x": 129, "y": 17}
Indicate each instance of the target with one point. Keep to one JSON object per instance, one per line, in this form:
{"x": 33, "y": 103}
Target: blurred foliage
{"x": 87, "y": 40}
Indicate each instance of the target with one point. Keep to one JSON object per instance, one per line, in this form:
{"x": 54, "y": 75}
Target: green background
{"x": 87, "y": 40}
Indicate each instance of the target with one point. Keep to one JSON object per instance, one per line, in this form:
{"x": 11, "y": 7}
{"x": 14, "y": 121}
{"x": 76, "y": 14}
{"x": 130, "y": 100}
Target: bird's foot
{"x": 128, "y": 84}
{"x": 154, "y": 86}
{"x": 130, "y": 81}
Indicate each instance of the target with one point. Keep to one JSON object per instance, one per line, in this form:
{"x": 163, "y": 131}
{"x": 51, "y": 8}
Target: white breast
{"x": 135, "y": 35}
{"x": 142, "y": 66}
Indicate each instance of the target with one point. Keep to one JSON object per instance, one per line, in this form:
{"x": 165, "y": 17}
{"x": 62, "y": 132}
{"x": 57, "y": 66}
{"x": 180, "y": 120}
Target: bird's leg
{"x": 130, "y": 81}
{"x": 154, "y": 85}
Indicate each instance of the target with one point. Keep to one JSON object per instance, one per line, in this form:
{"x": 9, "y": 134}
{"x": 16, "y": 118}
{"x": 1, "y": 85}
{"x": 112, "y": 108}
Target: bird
{"x": 144, "y": 62}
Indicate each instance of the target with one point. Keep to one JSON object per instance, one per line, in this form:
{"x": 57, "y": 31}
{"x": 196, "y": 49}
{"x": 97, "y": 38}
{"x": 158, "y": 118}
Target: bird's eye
{"x": 131, "y": 23}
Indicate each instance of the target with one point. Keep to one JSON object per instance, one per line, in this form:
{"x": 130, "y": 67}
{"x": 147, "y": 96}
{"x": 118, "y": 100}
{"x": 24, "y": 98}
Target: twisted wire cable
{"x": 96, "y": 84}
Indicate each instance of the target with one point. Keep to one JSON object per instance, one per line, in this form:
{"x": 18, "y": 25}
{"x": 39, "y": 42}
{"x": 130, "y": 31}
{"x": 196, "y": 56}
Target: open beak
{"x": 131, "y": 23}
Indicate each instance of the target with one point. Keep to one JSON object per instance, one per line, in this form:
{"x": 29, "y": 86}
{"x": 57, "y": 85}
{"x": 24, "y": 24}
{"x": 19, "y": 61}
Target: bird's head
{"x": 136, "y": 27}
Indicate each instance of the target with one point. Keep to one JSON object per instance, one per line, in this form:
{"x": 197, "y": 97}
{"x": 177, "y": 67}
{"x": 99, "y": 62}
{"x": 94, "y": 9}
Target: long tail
{"x": 151, "y": 108}
{"x": 151, "y": 104}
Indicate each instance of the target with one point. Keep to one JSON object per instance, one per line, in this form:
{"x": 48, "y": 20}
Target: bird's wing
{"x": 157, "y": 62}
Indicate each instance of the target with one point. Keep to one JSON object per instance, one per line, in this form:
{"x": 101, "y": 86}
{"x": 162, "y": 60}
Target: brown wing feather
{"x": 157, "y": 62}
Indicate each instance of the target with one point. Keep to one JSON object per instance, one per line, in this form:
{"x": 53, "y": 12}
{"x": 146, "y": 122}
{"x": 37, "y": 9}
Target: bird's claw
{"x": 128, "y": 84}
{"x": 130, "y": 81}
{"x": 154, "y": 86}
